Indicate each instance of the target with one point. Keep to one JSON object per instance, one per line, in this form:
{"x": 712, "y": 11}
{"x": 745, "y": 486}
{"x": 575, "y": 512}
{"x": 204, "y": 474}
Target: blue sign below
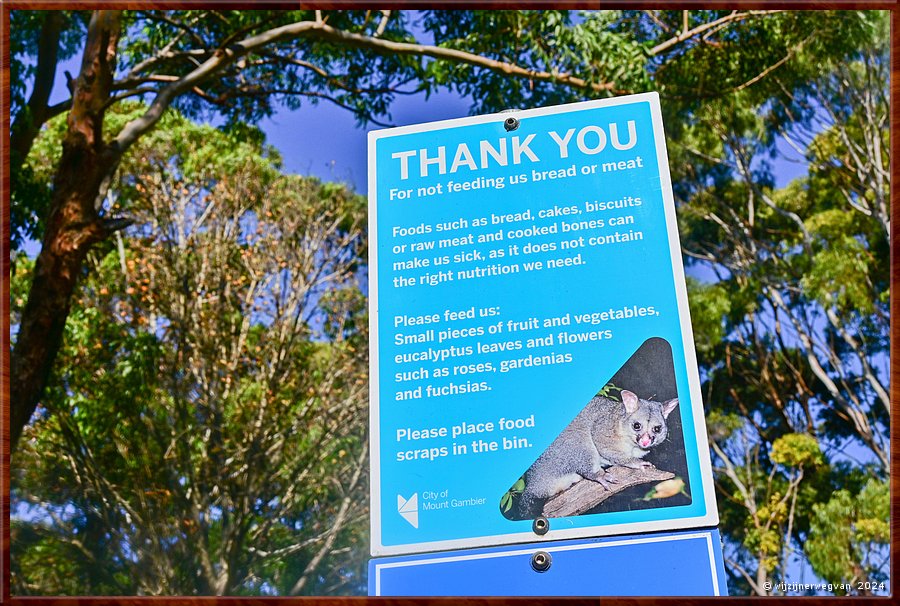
{"x": 666, "y": 564}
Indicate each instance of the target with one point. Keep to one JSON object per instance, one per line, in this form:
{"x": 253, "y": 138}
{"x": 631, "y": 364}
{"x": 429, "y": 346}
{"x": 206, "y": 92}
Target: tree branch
{"x": 753, "y": 585}
{"x": 587, "y": 494}
{"x": 385, "y": 17}
{"x": 731, "y": 472}
{"x": 319, "y": 29}
{"x": 337, "y": 525}
{"x": 686, "y": 35}
{"x": 775, "y": 65}
{"x": 27, "y": 123}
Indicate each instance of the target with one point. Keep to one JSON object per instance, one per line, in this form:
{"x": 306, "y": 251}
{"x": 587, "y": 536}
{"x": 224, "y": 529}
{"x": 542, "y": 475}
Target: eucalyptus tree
{"x": 204, "y": 431}
{"x": 242, "y": 64}
{"x": 796, "y": 321}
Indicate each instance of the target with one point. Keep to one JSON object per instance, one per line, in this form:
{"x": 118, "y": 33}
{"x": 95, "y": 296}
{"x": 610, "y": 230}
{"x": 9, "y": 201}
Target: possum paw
{"x": 605, "y": 480}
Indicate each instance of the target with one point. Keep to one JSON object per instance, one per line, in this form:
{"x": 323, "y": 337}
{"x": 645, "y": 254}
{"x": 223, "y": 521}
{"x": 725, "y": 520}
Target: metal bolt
{"x": 511, "y": 124}
{"x": 541, "y": 525}
{"x": 541, "y": 561}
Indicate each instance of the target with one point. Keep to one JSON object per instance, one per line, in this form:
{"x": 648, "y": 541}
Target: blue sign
{"x": 670, "y": 564}
{"x": 531, "y": 349}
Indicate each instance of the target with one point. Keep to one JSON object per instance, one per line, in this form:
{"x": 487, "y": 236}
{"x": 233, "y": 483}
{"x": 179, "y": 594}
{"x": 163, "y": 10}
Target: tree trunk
{"x": 73, "y": 224}
{"x": 762, "y": 575}
{"x": 30, "y": 119}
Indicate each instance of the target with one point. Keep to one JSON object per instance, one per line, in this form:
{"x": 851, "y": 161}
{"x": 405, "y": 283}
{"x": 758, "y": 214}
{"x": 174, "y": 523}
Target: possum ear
{"x": 630, "y": 401}
{"x": 669, "y": 406}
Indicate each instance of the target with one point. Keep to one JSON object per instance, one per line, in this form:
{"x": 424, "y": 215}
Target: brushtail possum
{"x": 605, "y": 433}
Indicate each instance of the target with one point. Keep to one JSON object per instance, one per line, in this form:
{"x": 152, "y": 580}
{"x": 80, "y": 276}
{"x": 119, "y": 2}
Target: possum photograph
{"x": 623, "y": 451}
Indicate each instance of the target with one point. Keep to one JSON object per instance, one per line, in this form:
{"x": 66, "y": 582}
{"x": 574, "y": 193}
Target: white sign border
{"x": 710, "y": 518}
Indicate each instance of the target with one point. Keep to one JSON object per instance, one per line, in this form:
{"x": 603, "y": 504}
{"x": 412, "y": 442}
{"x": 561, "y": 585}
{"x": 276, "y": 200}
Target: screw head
{"x": 540, "y": 525}
{"x": 511, "y": 124}
{"x": 541, "y": 561}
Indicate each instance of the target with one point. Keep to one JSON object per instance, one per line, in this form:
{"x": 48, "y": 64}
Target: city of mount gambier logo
{"x": 409, "y": 509}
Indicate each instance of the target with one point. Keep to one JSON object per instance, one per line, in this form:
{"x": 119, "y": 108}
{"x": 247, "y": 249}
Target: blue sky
{"x": 325, "y": 141}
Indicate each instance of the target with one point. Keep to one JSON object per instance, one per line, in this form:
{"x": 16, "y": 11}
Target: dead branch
{"x": 587, "y": 494}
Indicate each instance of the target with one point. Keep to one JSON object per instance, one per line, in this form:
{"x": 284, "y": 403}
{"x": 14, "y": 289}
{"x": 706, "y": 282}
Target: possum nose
{"x": 646, "y": 440}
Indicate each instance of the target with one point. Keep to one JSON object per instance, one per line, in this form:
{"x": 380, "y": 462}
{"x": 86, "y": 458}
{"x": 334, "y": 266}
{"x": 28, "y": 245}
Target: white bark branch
{"x": 686, "y": 35}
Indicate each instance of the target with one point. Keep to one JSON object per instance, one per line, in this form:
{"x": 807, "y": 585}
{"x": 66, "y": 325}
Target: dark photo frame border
{"x": 6, "y": 6}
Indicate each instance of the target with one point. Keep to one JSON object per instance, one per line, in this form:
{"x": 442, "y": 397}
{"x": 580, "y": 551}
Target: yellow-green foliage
{"x": 796, "y": 450}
